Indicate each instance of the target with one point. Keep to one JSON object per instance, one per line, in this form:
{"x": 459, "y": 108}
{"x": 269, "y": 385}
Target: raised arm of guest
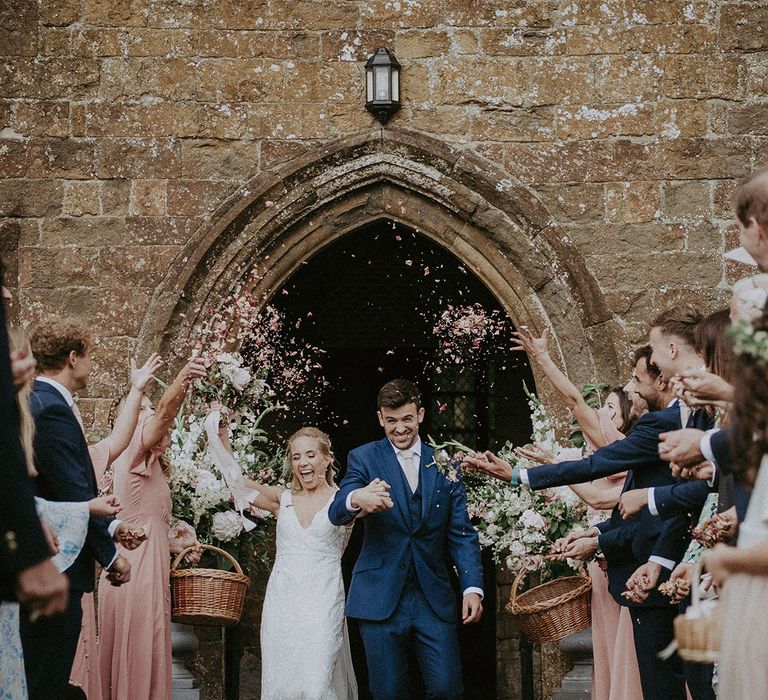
{"x": 586, "y": 416}
{"x": 127, "y": 418}
{"x": 158, "y": 425}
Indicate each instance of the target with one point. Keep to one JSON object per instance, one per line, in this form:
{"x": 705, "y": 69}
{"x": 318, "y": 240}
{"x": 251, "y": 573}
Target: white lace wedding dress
{"x": 304, "y": 645}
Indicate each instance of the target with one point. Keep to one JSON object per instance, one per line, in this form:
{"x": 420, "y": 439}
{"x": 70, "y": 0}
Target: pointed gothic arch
{"x": 462, "y": 201}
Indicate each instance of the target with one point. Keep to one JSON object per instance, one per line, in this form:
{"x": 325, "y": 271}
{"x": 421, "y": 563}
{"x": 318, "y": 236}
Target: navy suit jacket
{"x": 683, "y": 497}
{"x": 629, "y": 544}
{"x": 65, "y": 473}
{"x": 22, "y": 543}
{"x": 394, "y": 544}
{"x": 720, "y": 442}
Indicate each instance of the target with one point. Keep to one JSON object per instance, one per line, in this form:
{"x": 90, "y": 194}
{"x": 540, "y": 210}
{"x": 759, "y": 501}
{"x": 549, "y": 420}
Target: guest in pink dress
{"x": 85, "y": 669}
{"x": 135, "y": 620}
{"x": 615, "y": 673}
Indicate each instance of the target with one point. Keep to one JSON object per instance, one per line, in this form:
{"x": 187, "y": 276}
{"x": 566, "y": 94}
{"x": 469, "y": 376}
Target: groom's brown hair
{"x": 397, "y": 393}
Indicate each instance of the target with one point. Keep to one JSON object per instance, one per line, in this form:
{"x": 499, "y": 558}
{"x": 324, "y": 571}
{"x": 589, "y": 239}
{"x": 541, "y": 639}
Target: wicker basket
{"x": 207, "y": 596}
{"x": 698, "y": 638}
{"x": 552, "y": 610}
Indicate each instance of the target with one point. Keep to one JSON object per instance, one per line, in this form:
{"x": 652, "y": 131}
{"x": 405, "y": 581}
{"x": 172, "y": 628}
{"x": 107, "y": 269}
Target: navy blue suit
{"x": 627, "y": 544}
{"x": 22, "y": 543}
{"x": 65, "y": 473}
{"x": 401, "y": 590}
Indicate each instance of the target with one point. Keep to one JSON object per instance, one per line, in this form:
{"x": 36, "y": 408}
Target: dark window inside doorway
{"x": 370, "y": 301}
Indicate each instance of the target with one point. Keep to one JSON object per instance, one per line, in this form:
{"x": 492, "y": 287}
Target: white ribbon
{"x": 231, "y": 472}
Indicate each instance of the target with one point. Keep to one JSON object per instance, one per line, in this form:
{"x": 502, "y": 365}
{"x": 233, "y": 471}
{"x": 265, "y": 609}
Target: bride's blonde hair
{"x": 325, "y": 448}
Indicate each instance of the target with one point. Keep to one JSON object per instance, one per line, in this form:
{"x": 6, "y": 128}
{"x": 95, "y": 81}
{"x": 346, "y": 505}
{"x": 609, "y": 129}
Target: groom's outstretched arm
{"x": 357, "y": 477}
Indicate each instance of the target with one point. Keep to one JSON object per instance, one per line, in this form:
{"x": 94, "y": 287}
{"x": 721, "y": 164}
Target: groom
{"x": 416, "y": 516}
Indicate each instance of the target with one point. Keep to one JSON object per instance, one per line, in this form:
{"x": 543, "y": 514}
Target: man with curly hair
{"x": 62, "y": 348}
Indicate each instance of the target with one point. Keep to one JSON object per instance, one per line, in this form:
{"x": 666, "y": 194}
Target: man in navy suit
{"x": 27, "y": 573}
{"x": 62, "y": 348}
{"x": 647, "y": 544}
{"x": 416, "y": 518}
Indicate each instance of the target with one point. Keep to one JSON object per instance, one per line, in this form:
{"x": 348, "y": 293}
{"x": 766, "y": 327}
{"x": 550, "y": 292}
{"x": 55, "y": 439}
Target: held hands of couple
{"x": 373, "y": 498}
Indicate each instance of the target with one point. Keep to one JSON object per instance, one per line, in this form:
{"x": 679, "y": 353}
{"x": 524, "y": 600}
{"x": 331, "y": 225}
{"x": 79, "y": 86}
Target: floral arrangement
{"x": 272, "y": 363}
{"x": 466, "y": 329}
{"x": 518, "y": 525}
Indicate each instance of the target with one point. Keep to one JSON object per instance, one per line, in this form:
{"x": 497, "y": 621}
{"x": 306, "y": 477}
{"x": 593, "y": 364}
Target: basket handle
{"x": 522, "y": 574}
{"x": 176, "y": 561}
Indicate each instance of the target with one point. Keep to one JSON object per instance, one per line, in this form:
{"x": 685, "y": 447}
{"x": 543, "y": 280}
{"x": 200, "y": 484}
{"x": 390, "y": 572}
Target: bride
{"x": 304, "y": 645}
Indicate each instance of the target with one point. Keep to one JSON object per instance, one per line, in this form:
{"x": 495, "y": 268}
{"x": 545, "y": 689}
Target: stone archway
{"x": 462, "y": 201}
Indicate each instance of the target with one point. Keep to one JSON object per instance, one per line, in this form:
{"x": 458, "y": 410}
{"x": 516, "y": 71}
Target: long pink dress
{"x": 135, "y": 618}
{"x": 615, "y": 673}
{"x": 85, "y": 669}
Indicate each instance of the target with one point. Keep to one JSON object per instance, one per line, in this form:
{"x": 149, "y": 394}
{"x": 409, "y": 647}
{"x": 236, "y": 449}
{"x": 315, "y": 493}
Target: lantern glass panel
{"x": 381, "y": 83}
{"x": 369, "y": 85}
{"x": 395, "y": 85}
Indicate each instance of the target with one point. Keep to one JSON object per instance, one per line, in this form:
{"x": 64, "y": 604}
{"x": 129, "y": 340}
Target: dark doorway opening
{"x": 370, "y": 301}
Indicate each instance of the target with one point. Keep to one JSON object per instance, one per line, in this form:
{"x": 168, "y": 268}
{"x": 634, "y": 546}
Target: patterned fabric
{"x": 69, "y": 522}
{"x": 695, "y": 549}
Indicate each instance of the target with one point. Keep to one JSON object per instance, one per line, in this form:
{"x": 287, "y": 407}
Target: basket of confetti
{"x": 208, "y": 596}
{"x": 697, "y": 631}
{"x": 552, "y": 610}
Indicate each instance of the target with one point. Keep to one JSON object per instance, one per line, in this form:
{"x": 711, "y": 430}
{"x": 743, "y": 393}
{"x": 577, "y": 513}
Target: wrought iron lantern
{"x": 382, "y": 85}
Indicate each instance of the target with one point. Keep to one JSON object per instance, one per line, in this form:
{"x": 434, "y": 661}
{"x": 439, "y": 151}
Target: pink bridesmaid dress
{"x": 135, "y": 618}
{"x": 615, "y": 673}
{"x": 85, "y": 669}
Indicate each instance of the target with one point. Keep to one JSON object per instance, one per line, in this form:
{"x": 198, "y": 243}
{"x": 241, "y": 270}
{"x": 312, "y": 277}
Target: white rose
{"x": 227, "y": 525}
{"x": 517, "y": 549}
{"x": 206, "y": 481}
{"x": 239, "y": 378}
{"x": 530, "y": 518}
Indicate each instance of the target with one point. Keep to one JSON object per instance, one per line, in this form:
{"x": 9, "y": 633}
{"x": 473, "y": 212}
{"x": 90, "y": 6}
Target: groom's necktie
{"x": 411, "y": 468}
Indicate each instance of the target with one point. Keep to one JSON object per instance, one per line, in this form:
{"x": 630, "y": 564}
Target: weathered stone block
{"x": 216, "y": 43}
{"x": 586, "y": 40}
{"x": 138, "y": 158}
{"x": 82, "y": 197}
{"x": 748, "y": 119}
{"x": 692, "y": 77}
{"x": 51, "y": 268}
{"x": 627, "y": 272}
{"x": 40, "y": 118}
{"x": 537, "y": 124}
{"x": 687, "y": 200}
{"x": 143, "y": 265}
{"x": 560, "y": 80}
{"x": 722, "y": 199}
{"x": 464, "y": 41}
{"x": 147, "y": 198}
{"x": 681, "y": 118}
{"x": 159, "y": 42}
{"x": 219, "y": 160}
{"x": 58, "y": 13}
{"x": 116, "y": 13}
{"x": 191, "y": 198}
{"x": 453, "y": 121}
{"x": 13, "y": 158}
{"x": 421, "y": 43}
{"x": 18, "y": 29}
{"x": 633, "y": 202}
{"x": 83, "y": 231}
{"x": 601, "y": 120}
{"x": 115, "y": 197}
{"x": 55, "y": 41}
{"x": 30, "y": 197}
{"x": 514, "y": 13}
{"x": 628, "y": 79}
{"x": 99, "y": 42}
{"x": 483, "y": 82}
{"x": 65, "y": 158}
{"x": 522, "y": 41}
{"x": 692, "y": 158}
{"x": 743, "y": 26}
{"x": 640, "y": 239}
{"x": 574, "y": 203}
{"x": 251, "y": 80}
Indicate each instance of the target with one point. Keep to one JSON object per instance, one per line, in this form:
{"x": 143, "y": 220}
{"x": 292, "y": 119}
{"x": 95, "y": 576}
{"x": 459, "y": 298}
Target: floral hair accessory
{"x": 748, "y": 341}
{"x": 749, "y": 298}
